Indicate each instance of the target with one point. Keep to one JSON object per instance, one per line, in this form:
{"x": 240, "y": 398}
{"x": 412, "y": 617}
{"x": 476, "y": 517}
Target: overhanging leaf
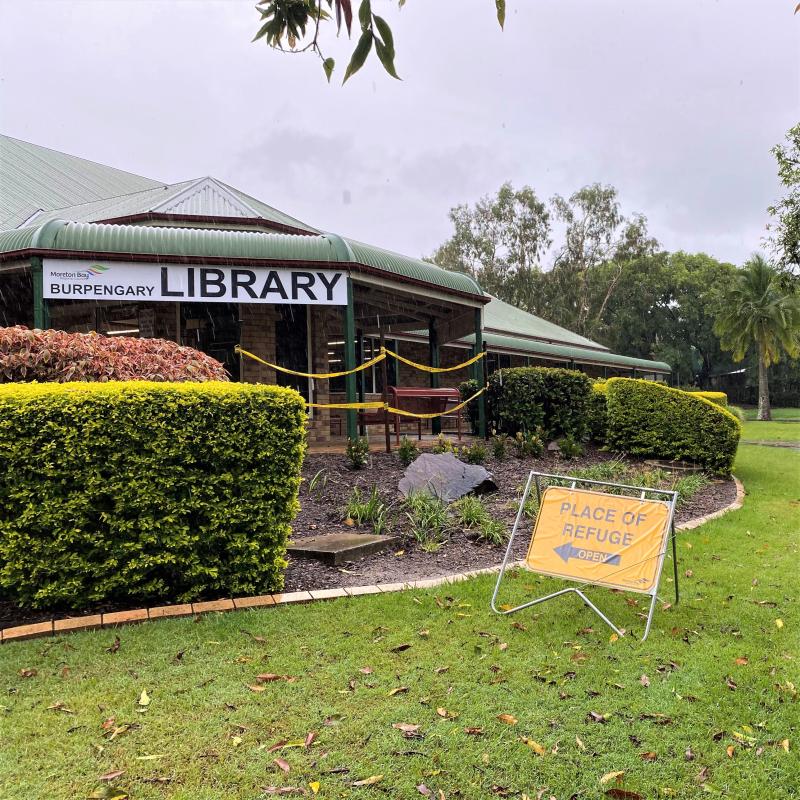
{"x": 328, "y": 64}
{"x": 501, "y": 12}
{"x": 359, "y": 55}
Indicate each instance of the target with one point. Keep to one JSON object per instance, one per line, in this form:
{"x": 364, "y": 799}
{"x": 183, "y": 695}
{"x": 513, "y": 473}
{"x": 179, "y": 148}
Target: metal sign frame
{"x": 631, "y": 491}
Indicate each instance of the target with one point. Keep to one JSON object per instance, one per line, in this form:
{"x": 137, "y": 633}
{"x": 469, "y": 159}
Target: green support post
{"x": 350, "y": 360}
{"x": 433, "y": 353}
{"x": 40, "y": 315}
{"x": 479, "y": 372}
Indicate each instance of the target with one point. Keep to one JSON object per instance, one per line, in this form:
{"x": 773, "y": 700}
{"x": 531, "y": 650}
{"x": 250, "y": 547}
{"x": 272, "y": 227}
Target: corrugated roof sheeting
{"x": 35, "y": 177}
{"x": 501, "y": 316}
{"x": 580, "y": 355}
{"x": 413, "y": 268}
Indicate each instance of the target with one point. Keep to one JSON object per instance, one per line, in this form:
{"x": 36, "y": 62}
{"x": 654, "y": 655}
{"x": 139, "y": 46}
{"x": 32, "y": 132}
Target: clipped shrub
{"x": 130, "y": 492}
{"x": 598, "y": 413}
{"x": 528, "y": 444}
{"x": 720, "y": 398}
{"x": 527, "y": 398}
{"x": 475, "y": 453}
{"x": 569, "y": 448}
{"x": 57, "y": 356}
{"x": 407, "y": 451}
{"x": 651, "y": 419}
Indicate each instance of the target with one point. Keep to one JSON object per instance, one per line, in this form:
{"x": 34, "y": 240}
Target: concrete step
{"x": 338, "y": 548}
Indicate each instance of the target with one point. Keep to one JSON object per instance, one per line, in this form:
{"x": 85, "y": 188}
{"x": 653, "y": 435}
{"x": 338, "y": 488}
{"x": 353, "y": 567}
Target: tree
{"x": 497, "y": 238}
{"x": 761, "y": 312}
{"x": 293, "y": 21}
{"x": 786, "y": 228}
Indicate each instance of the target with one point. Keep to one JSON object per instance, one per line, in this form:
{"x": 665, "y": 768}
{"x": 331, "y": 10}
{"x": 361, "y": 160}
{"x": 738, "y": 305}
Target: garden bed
{"x": 322, "y": 511}
{"x": 328, "y": 483}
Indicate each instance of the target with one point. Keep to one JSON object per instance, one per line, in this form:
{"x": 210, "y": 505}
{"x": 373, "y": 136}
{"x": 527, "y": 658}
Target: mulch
{"x": 321, "y": 512}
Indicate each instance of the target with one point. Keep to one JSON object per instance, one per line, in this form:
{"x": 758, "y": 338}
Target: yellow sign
{"x": 599, "y": 538}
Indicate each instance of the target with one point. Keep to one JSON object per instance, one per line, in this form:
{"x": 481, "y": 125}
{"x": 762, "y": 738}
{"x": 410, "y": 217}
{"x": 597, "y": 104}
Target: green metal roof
{"x": 34, "y": 178}
{"x": 580, "y": 355}
{"x": 413, "y": 268}
{"x": 213, "y": 243}
{"x": 501, "y": 317}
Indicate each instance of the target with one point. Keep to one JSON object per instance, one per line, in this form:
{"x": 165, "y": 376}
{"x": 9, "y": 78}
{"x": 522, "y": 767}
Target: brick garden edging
{"x": 116, "y": 618}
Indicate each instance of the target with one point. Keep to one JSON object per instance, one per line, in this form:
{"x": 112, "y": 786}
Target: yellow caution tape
{"x": 366, "y": 365}
{"x": 370, "y": 404}
{"x": 317, "y": 375}
{"x": 434, "y": 369}
{"x": 404, "y": 413}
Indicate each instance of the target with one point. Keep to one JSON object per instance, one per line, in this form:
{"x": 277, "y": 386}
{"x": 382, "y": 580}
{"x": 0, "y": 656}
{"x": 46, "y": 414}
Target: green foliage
{"x": 475, "y": 453}
{"x": 720, "y": 398}
{"x": 499, "y": 443}
{"x": 430, "y": 523}
{"x": 650, "y": 419}
{"x": 443, "y": 445}
{"x": 598, "y": 413}
{"x": 318, "y": 482}
{"x": 613, "y": 470}
{"x": 492, "y": 531}
{"x": 786, "y": 229}
{"x": 372, "y": 510}
{"x": 569, "y": 448}
{"x": 357, "y": 452}
{"x": 689, "y": 485}
{"x": 529, "y": 398}
{"x": 128, "y": 492}
{"x": 737, "y": 412}
{"x": 407, "y": 451}
{"x": 467, "y": 389}
{"x": 528, "y": 444}
{"x": 470, "y": 512}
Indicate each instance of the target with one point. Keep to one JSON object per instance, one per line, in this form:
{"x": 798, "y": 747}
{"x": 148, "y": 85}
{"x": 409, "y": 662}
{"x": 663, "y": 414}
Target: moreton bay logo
{"x": 81, "y": 274}
{"x": 95, "y": 270}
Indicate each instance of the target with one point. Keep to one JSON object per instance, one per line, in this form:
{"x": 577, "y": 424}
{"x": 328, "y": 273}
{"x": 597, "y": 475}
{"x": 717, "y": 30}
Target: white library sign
{"x": 67, "y": 279}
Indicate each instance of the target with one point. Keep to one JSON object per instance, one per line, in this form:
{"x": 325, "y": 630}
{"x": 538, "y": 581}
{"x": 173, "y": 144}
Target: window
{"x": 370, "y": 380}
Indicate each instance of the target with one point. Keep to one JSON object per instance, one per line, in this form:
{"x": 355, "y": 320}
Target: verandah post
{"x": 433, "y": 357}
{"x": 40, "y": 316}
{"x": 479, "y": 372}
{"x": 350, "y": 360}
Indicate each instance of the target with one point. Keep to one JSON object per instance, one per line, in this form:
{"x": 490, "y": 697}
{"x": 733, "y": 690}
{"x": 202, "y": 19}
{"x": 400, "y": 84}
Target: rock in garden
{"x": 446, "y": 477}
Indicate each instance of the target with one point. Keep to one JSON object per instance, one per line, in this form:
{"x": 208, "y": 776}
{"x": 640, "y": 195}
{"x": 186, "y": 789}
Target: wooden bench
{"x": 419, "y": 400}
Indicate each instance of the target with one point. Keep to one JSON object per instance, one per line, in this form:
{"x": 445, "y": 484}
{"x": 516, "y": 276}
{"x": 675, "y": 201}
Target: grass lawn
{"x": 753, "y": 430}
{"x": 705, "y": 706}
{"x": 777, "y": 413}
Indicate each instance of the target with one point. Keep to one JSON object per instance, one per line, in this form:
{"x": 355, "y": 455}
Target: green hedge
{"x": 719, "y": 398}
{"x": 467, "y": 389}
{"x": 527, "y": 398}
{"x": 650, "y": 419}
{"x": 134, "y": 491}
{"x": 598, "y": 413}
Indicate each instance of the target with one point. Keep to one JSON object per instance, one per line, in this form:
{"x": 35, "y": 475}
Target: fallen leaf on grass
{"x": 113, "y": 775}
{"x": 445, "y": 714}
{"x": 371, "y": 781}
{"x": 440, "y": 670}
{"x": 154, "y": 757}
{"x": 28, "y": 673}
{"x": 270, "y": 677}
{"x": 366, "y": 670}
{"x": 400, "y": 648}
{"x": 256, "y": 688}
{"x": 286, "y": 743}
{"x": 579, "y": 742}
{"x": 424, "y": 790}
{"x": 645, "y": 681}
{"x": 622, "y": 794}
{"x": 282, "y": 764}
{"x": 310, "y": 737}
{"x": 688, "y": 755}
{"x": 509, "y": 719}
{"x": 779, "y": 623}
{"x": 612, "y": 776}
{"x": 397, "y": 690}
{"x": 405, "y": 727}
{"x": 729, "y": 750}
{"x": 593, "y": 716}
{"x": 535, "y": 746}
{"x": 60, "y": 706}
{"x": 741, "y": 662}
{"x": 473, "y": 731}
{"x": 144, "y": 699}
{"x": 649, "y": 756}
{"x": 115, "y": 646}
{"x": 284, "y": 790}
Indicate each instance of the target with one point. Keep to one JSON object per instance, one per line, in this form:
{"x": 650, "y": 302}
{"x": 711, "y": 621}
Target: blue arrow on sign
{"x": 567, "y": 551}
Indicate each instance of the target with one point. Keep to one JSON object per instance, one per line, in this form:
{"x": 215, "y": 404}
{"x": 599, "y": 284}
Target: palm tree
{"x": 760, "y": 310}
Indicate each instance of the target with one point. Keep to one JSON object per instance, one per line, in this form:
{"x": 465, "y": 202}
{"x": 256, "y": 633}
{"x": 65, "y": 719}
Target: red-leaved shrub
{"x": 57, "y": 356}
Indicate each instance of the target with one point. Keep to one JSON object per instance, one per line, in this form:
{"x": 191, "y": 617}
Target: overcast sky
{"x": 674, "y": 102}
